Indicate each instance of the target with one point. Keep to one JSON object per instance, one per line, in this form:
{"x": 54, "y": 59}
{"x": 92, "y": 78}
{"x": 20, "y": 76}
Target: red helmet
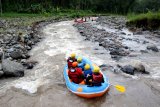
{"x": 74, "y": 64}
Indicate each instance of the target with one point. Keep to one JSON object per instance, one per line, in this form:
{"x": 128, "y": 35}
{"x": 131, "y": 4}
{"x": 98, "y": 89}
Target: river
{"x": 44, "y": 86}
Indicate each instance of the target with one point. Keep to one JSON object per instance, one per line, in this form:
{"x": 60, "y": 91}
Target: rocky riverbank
{"x": 121, "y": 42}
{"x": 17, "y": 37}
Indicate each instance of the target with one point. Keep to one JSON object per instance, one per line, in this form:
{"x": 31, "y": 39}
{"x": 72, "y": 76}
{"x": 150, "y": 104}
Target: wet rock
{"x": 119, "y": 52}
{"x": 139, "y": 67}
{"x": 28, "y": 47}
{"x": 10, "y": 50}
{"x": 16, "y": 54}
{"x": 144, "y": 42}
{"x": 25, "y": 56}
{"x": 18, "y": 46}
{"x": 11, "y": 68}
{"x": 116, "y": 57}
{"x": 29, "y": 65}
{"x": 36, "y": 39}
{"x": 123, "y": 33}
{"x": 23, "y": 61}
{"x": 105, "y": 67}
{"x": 129, "y": 69}
{"x": 153, "y": 48}
{"x": 29, "y": 43}
{"x": 6, "y": 55}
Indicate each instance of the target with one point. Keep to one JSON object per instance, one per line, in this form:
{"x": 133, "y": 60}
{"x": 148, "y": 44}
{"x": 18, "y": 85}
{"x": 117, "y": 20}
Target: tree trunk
{"x": 1, "y": 6}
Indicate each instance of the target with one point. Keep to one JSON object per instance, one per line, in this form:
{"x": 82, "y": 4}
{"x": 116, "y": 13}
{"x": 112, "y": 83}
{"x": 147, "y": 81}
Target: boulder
{"x": 16, "y": 54}
{"x": 153, "y": 48}
{"x": 11, "y": 68}
{"x": 129, "y": 69}
{"x": 139, "y": 67}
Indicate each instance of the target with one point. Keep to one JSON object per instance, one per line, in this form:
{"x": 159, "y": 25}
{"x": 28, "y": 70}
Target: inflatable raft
{"x": 83, "y": 90}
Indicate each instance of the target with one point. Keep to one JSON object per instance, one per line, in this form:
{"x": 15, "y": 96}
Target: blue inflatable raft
{"x": 83, "y": 90}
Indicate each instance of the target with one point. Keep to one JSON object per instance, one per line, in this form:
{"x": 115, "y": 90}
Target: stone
{"x": 123, "y": 33}
{"x": 18, "y": 46}
{"x": 16, "y": 54}
{"x": 25, "y": 56}
{"x": 10, "y": 50}
{"x": 29, "y": 65}
{"x": 11, "y": 68}
{"x": 28, "y": 47}
{"x": 29, "y": 43}
{"x": 139, "y": 67}
{"x": 129, "y": 69}
{"x": 153, "y": 48}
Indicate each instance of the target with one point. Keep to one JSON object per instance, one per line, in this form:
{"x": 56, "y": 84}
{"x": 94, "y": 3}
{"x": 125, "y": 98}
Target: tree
{"x": 1, "y": 6}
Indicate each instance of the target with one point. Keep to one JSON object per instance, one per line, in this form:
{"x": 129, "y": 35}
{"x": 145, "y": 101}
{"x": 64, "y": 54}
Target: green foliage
{"x": 148, "y": 20}
{"x": 47, "y": 7}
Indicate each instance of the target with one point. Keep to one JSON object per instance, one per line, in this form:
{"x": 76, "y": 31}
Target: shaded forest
{"x": 107, "y": 6}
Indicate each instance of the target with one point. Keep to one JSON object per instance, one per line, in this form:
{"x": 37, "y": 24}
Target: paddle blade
{"x": 120, "y": 88}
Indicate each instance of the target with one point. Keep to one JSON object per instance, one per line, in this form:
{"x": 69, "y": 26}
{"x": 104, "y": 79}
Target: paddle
{"x": 120, "y": 88}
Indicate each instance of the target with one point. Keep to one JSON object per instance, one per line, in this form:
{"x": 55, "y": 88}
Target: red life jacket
{"x": 97, "y": 78}
{"x": 70, "y": 61}
{"x": 75, "y": 75}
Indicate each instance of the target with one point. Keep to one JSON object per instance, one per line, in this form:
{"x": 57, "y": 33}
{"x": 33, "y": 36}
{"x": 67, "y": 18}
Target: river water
{"x": 44, "y": 86}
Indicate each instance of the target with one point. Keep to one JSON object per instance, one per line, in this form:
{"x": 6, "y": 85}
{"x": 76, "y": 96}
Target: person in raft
{"x": 75, "y": 73}
{"x": 71, "y": 59}
{"x": 87, "y": 74}
{"x": 97, "y": 77}
{"x": 81, "y": 63}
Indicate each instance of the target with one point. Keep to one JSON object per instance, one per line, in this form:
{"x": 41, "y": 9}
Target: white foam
{"x": 29, "y": 86}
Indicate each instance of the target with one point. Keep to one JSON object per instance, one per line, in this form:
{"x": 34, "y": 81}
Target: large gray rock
{"x": 129, "y": 69}
{"x": 139, "y": 67}
{"x": 11, "y": 68}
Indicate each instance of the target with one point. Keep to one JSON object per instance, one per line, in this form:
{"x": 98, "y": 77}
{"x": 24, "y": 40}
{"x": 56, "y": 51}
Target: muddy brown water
{"x": 44, "y": 85}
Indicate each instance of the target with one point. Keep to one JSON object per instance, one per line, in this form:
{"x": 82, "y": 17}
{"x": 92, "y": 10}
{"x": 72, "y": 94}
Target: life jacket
{"x": 86, "y": 72}
{"x": 75, "y": 75}
{"x": 70, "y": 61}
{"x": 97, "y": 78}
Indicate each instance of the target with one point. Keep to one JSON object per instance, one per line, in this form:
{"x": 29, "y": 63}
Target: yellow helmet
{"x": 79, "y": 60}
{"x": 73, "y": 55}
{"x": 87, "y": 66}
{"x": 96, "y": 69}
